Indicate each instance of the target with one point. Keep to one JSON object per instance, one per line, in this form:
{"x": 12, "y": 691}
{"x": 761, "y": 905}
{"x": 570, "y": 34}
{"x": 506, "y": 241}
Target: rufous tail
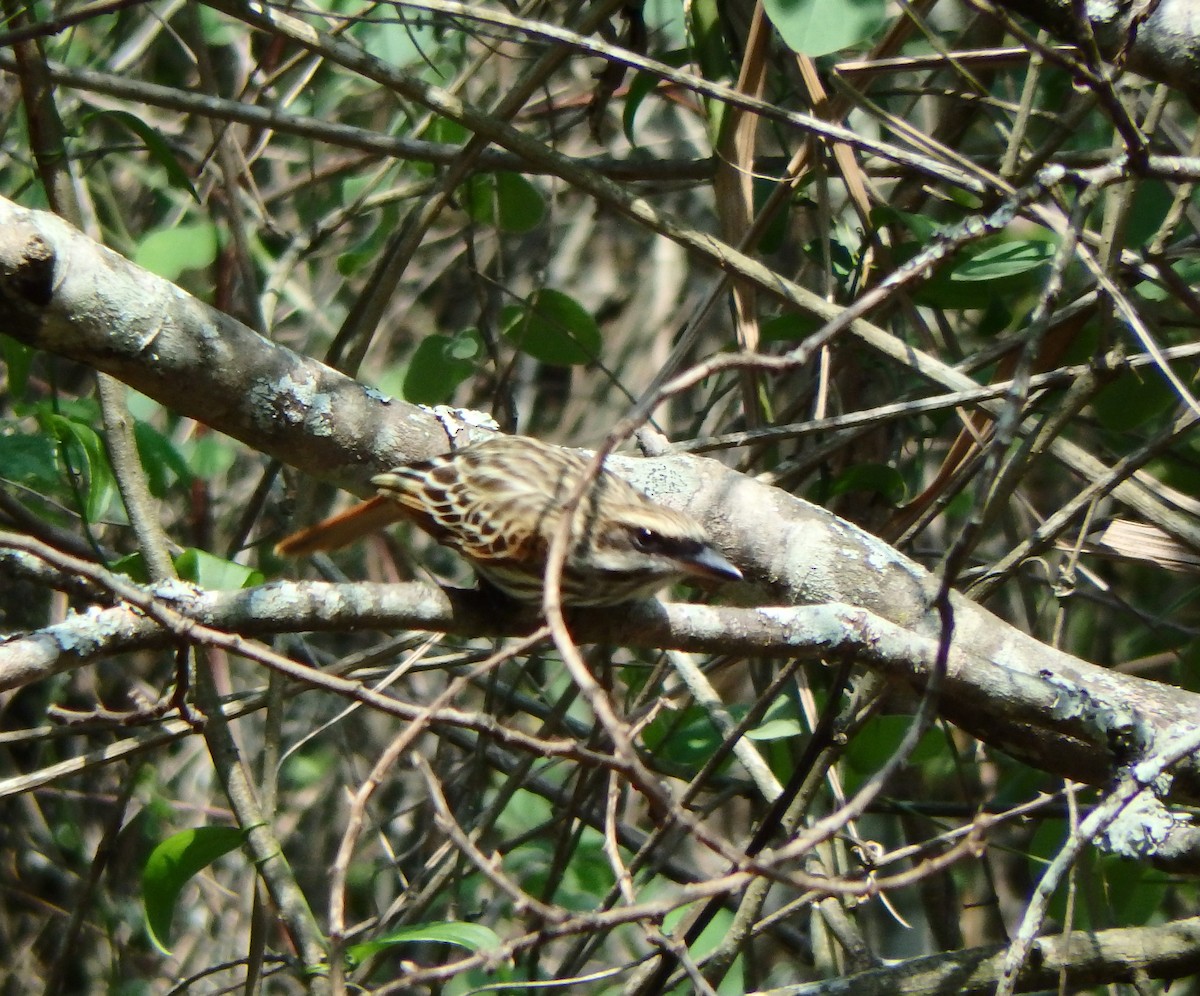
{"x": 342, "y": 529}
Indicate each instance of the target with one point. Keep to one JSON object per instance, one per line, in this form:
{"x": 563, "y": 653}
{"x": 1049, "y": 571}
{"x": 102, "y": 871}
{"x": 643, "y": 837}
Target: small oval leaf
{"x": 202, "y": 568}
{"x": 818, "y": 27}
{"x": 777, "y": 729}
{"x": 506, "y": 200}
{"x": 439, "y": 365}
{"x": 554, "y": 328}
{"x": 168, "y": 252}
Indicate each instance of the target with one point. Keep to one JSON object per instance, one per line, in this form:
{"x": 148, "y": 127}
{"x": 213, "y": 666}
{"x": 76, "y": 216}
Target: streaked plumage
{"x": 498, "y": 503}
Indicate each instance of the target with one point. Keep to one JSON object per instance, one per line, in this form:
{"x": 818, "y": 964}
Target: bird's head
{"x": 652, "y": 542}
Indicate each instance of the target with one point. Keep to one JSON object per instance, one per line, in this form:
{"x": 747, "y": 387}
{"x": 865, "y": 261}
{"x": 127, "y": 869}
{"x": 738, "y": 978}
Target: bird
{"x": 499, "y": 503}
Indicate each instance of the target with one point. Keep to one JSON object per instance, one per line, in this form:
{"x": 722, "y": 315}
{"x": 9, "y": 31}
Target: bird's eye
{"x": 646, "y": 540}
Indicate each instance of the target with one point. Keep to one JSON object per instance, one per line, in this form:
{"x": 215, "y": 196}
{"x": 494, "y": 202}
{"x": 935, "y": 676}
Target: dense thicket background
{"x": 502, "y": 208}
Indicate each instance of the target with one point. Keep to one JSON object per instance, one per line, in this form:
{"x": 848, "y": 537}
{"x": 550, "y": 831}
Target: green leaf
{"x": 17, "y": 360}
{"x": 788, "y": 327}
{"x": 1152, "y": 199}
{"x": 307, "y": 769}
{"x": 685, "y": 737}
{"x": 349, "y": 263}
{"x": 396, "y": 42}
{"x": 218, "y": 31}
{"x": 1188, "y": 270}
{"x": 169, "y": 867}
{"x": 170, "y": 251}
{"x": 995, "y": 260}
{"x": 210, "y": 456}
{"x": 207, "y": 571}
{"x": 778, "y": 232}
{"x": 776, "y": 729}
{"x": 472, "y": 936}
{"x": 711, "y": 50}
{"x": 158, "y": 455}
{"x": 818, "y": 27}
{"x": 835, "y": 254}
{"x": 446, "y": 131}
{"x": 879, "y": 740}
{"x": 781, "y": 721}
{"x": 1135, "y": 891}
{"x": 1133, "y": 399}
{"x": 554, "y": 328}
{"x": 713, "y": 936}
{"x": 711, "y": 46}
{"x": 689, "y": 736}
{"x": 879, "y": 478}
{"x": 439, "y": 365}
{"x": 920, "y": 226}
{"x": 133, "y": 566}
{"x": 506, "y": 200}
{"x": 155, "y": 145}
{"x": 641, "y": 87}
{"x": 87, "y": 454}
{"x": 29, "y": 460}
{"x": 367, "y": 249}
{"x": 991, "y": 267}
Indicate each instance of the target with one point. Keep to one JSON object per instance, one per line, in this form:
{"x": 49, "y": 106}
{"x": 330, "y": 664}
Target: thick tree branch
{"x": 60, "y": 292}
{"x": 1160, "y": 40}
{"x": 1076, "y": 720}
{"x": 1085, "y": 958}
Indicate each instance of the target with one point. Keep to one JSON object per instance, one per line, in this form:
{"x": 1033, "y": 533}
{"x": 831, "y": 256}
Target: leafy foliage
{"x": 979, "y": 208}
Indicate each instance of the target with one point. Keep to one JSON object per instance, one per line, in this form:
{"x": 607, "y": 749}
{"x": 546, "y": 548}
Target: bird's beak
{"x": 710, "y": 564}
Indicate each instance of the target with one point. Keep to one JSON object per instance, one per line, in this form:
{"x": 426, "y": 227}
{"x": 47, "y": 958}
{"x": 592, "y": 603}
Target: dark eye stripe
{"x": 682, "y": 548}
{"x": 649, "y": 541}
